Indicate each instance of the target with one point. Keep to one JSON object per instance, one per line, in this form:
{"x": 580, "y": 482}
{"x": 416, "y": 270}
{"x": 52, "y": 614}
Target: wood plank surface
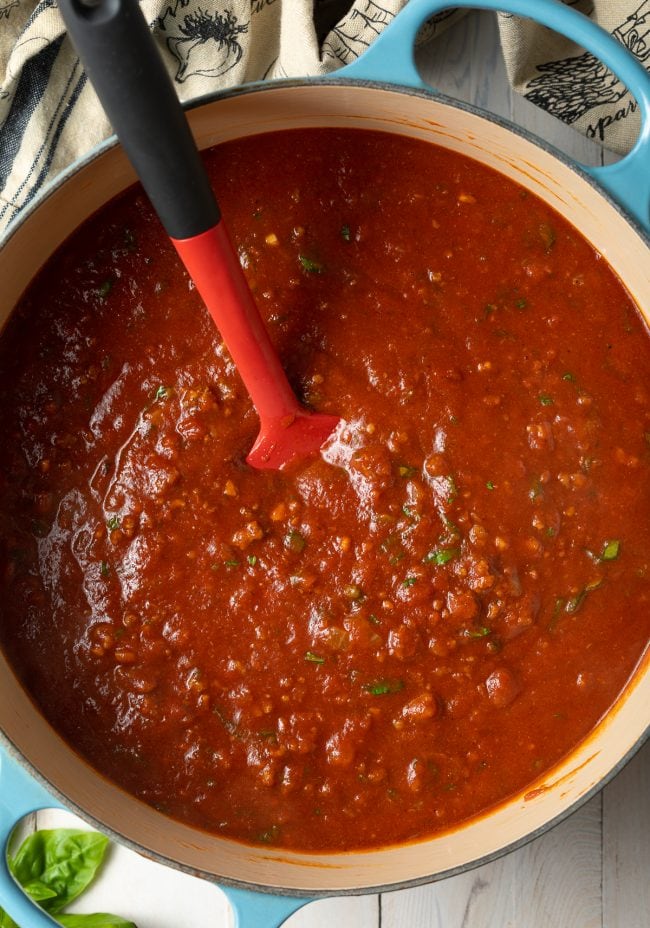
{"x": 626, "y": 846}
{"x": 553, "y": 881}
{"x": 591, "y": 871}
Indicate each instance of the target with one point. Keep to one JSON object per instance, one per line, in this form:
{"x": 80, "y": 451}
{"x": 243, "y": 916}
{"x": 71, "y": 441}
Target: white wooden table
{"x": 593, "y": 870}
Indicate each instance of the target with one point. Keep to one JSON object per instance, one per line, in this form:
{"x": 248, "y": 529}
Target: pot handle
{"x": 259, "y": 910}
{"x": 390, "y": 58}
{"x": 20, "y": 794}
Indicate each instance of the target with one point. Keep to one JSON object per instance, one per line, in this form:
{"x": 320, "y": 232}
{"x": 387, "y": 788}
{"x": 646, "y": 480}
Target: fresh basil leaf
{"x": 6, "y": 921}
{"x": 39, "y": 891}
{"x": 98, "y": 920}
{"x": 63, "y": 859}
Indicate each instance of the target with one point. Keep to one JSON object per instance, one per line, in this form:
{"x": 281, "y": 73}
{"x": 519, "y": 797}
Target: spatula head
{"x": 289, "y": 440}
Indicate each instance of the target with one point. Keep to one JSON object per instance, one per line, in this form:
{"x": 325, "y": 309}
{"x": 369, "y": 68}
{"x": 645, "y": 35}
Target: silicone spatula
{"x": 129, "y": 76}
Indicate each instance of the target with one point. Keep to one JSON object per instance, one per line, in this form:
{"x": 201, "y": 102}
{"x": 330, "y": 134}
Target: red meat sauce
{"x": 380, "y": 642}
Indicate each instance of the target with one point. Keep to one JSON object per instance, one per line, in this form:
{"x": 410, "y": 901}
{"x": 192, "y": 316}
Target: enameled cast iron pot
{"x": 610, "y": 206}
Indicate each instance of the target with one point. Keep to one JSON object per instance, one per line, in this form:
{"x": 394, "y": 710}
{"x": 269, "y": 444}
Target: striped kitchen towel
{"x": 49, "y": 115}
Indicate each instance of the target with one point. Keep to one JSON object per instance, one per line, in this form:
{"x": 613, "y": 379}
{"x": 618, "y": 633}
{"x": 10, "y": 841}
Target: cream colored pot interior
{"x": 282, "y": 107}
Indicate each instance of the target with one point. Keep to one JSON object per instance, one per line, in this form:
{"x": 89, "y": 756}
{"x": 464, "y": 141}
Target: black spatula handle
{"x": 129, "y": 76}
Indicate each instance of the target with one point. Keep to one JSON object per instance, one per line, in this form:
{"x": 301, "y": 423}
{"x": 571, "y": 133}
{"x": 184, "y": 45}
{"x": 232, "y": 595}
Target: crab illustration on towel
{"x": 206, "y": 43}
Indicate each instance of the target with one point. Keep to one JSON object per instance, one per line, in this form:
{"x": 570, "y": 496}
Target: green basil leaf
{"x": 611, "y": 550}
{"x": 38, "y": 891}
{"x": 6, "y": 921}
{"x": 440, "y": 556}
{"x": 314, "y": 658}
{"x": 63, "y": 859}
{"x": 383, "y": 687}
{"x": 309, "y": 265}
{"x": 98, "y": 920}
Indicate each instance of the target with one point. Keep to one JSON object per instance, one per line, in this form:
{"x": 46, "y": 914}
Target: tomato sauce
{"x": 387, "y": 639}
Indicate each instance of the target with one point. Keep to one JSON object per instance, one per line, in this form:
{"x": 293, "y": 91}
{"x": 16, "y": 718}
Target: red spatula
{"x": 130, "y": 79}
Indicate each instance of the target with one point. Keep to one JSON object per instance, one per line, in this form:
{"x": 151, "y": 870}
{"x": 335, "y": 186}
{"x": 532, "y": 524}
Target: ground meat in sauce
{"x": 379, "y": 643}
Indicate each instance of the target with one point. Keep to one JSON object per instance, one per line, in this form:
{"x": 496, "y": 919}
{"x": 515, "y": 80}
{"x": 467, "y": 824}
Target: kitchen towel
{"x": 49, "y": 115}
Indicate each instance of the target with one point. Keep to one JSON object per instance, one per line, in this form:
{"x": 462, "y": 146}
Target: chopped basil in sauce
{"x": 309, "y": 265}
{"x": 383, "y": 687}
{"x": 314, "y": 658}
{"x": 440, "y": 556}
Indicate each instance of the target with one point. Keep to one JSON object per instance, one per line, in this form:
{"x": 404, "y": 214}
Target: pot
{"x": 611, "y": 208}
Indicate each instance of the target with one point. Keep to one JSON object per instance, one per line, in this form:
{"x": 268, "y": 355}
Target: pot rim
{"x": 329, "y": 81}
{"x": 644, "y": 666}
